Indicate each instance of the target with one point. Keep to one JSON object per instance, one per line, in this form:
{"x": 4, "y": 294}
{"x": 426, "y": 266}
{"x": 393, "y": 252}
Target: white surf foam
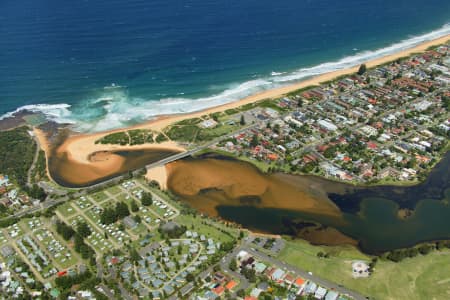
{"x": 120, "y": 110}
{"x": 59, "y": 113}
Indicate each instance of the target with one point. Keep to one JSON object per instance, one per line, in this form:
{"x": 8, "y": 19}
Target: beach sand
{"x": 79, "y": 147}
{"x": 159, "y": 174}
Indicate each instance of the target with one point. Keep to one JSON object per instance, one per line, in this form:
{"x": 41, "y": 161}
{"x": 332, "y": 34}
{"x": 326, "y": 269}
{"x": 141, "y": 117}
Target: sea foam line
{"x": 120, "y": 110}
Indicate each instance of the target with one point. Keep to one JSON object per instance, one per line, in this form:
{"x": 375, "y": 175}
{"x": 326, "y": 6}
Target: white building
{"x": 326, "y": 124}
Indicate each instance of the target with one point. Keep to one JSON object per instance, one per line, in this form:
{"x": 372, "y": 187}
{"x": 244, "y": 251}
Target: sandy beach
{"x": 158, "y": 174}
{"x": 79, "y": 147}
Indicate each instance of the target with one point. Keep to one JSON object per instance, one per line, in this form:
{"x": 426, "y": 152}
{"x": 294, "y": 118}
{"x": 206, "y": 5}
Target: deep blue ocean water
{"x": 176, "y": 56}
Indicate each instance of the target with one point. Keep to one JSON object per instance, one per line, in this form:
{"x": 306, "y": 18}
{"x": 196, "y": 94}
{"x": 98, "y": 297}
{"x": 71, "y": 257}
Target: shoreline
{"x": 79, "y": 147}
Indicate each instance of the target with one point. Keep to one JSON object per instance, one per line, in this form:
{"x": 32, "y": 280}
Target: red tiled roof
{"x": 272, "y": 156}
{"x": 299, "y": 281}
{"x": 219, "y": 290}
{"x": 114, "y": 260}
{"x": 372, "y": 145}
{"x": 230, "y": 285}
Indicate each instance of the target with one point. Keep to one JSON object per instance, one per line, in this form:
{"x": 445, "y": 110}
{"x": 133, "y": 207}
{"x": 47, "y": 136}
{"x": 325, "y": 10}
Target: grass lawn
{"x": 207, "y": 134}
{"x": 59, "y": 256}
{"x": 144, "y": 212}
{"x": 94, "y": 217}
{"x": 31, "y": 224}
{"x": 99, "y": 196}
{"x": 99, "y": 242}
{"x": 158, "y": 210}
{"x": 14, "y": 230}
{"x": 140, "y": 230}
{"x": 83, "y": 203}
{"x": 66, "y": 210}
{"x": 3, "y": 239}
{"x": 114, "y": 190}
{"x": 185, "y": 133}
{"x": 123, "y": 197}
{"x": 422, "y": 277}
{"x": 195, "y": 224}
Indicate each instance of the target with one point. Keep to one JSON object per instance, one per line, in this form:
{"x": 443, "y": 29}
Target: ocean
{"x": 105, "y": 64}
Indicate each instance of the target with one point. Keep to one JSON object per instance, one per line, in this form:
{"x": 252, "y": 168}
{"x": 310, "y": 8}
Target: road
{"x": 197, "y": 149}
{"x": 309, "y": 276}
{"x": 33, "y": 164}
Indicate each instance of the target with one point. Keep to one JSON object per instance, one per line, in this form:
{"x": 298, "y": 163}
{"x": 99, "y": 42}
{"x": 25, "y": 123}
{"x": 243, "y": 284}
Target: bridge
{"x": 187, "y": 153}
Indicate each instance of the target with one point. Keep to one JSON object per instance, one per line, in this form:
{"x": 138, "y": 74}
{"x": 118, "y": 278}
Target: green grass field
{"x": 66, "y": 210}
{"x": 114, "y": 190}
{"x": 99, "y": 196}
{"x": 422, "y": 277}
{"x": 195, "y": 224}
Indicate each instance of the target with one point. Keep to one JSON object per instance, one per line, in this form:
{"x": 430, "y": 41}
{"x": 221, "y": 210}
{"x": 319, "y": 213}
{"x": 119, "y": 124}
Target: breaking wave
{"x": 115, "y": 108}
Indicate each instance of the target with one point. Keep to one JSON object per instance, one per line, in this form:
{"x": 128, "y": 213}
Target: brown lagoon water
{"x": 103, "y": 166}
{"x": 317, "y": 209}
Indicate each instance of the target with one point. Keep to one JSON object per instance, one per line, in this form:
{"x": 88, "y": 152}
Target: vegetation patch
{"x": 17, "y": 150}
{"x": 185, "y": 133}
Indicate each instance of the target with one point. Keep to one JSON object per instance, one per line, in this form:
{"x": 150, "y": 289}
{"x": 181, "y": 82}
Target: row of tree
{"x": 400, "y": 254}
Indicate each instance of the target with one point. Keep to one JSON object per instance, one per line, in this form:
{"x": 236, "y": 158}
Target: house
{"x": 271, "y": 113}
{"x": 368, "y": 130}
{"x": 327, "y": 125}
{"x": 310, "y": 287}
{"x": 331, "y": 295}
{"x": 299, "y": 282}
{"x": 255, "y": 292}
{"x": 231, "y": 285}
{"x": 263, "y": 286}
{"x": 277, "y": 275}
{"x": 7, "y": 251}
{"x": 210, "y": 123}
{"x": 218, "y": 290}
{"x": 260, "y": 267}
{"x": 320, "y": 293}
{"x": 129, "y": 222}
{"x": 289, "y": 279}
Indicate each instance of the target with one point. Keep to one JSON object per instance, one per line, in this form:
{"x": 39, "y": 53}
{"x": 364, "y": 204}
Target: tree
{"x": 83, "y": 229}
{"x": 134, "y": 206}
{"x": 242, "y": 121}
{"x": 362, "y": 69}
{"x": 255, "y": 141}
{"x": 233, "y": 265}
{"x": 64, "y": 230}
{"x": 122, "y": 210}
{"x": 154, "y": 184}
{"x": 108, "y": 216}
{"x": 137, "y": 219}
{"x": 190, "y": 277}
{"x": 134, "y": 255}
{"x": 147, "y": 199}
{"x": 240, "y": 293}
{"x": 249, "y": 274}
